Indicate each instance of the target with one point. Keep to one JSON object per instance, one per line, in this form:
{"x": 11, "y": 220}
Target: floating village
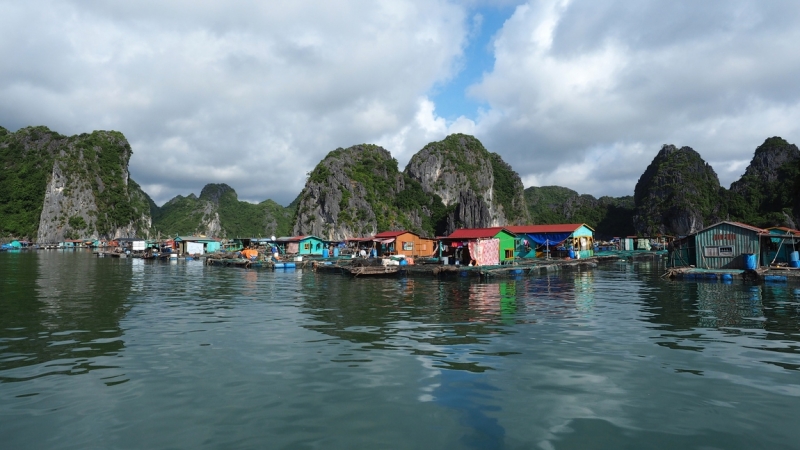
{"x": 725, "y": 251}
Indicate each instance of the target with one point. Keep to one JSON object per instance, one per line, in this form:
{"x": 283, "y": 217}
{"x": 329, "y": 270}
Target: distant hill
{"x": 54, "y": 187}
{"x": 218, "y": 212}
{"x": 609, "y": 216}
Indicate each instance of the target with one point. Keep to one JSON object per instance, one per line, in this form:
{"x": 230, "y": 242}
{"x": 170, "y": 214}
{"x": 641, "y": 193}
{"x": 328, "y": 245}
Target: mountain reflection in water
{"x": 108, "y": 353}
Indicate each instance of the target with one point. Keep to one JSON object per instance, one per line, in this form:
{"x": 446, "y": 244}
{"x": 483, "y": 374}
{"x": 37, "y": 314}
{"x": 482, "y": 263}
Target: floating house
{"x": 70, "y": 244}
{"x": 781, "y": 246}
{"x": 537, "y": 241}
{"x": 484, "y": 246}
{"x": 194, "y": 245}
{"x": 724, "y": 245}
{"x": 403, "y": 243}
{"x": 301, "y": 245}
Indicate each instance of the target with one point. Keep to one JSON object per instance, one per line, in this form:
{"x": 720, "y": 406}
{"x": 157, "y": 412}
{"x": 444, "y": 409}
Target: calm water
{"x": 107, "y": 353}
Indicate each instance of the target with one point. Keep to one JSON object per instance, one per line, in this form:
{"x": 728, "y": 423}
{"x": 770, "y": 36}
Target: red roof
{"x": 474, "y": 233}
{"x": 785, "y": 230}
{"x": 390, "y": 234}
{"x": 555, "y": 228}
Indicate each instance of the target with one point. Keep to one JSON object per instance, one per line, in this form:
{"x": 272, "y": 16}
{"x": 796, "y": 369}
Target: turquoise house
{"x": 539, "y": 241}
{"x": 301, "y": 245}
{"x": 779, "y": 246}
{"x": 196, "y": 244}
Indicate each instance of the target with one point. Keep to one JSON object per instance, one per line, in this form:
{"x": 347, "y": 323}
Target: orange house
{"x": 404, "y": 243}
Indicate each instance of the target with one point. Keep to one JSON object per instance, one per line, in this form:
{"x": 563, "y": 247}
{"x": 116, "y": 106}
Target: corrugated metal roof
{"x": 388, "y": 234}
{"x": 475, "y": 233}
{"x": 554, "y": 228}
{"x": 736, "y": 224}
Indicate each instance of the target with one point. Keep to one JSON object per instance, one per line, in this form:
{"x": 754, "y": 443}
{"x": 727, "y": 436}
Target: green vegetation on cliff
{"x": 379, "y": 176}
{"x": 506, "y": 188}
{"x": 192, "y": 215}
{"x": 103, "y": 158}
{"x": 766, "y": 194}
{"x": 92, "y": 171}
{"x": 678, "y": 194}
{"x": 26, "y": 161}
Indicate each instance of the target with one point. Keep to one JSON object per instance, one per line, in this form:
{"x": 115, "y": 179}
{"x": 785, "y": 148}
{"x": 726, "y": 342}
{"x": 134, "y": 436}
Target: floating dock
{"x": 760, "y": 275}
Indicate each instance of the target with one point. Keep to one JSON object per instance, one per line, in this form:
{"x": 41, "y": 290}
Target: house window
{"x": 509, "y": 253}
{"x": 306, "y": 246}
{"x": 718, "y": 251}
{"x": 408, "y": 246}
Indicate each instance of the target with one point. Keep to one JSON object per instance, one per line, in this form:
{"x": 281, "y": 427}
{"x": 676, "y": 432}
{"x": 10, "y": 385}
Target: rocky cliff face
{"x": 764, "y": 195}
{"x": 482, "y": 188}
{"x": 359, "y": 191}
{"x": 449, "y": 184}
{"x": 78, "y": 187}
{"x": 678, "y": 194}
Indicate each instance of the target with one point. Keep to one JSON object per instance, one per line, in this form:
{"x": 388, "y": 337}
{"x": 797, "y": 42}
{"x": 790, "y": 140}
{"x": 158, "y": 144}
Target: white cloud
{"x": 574, "y": 77}
{"x": 582, "y": 93}
{"x": 253, "y": 95}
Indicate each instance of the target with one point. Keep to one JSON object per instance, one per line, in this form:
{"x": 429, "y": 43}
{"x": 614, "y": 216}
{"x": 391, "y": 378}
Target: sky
{"x": 581, "y": 93}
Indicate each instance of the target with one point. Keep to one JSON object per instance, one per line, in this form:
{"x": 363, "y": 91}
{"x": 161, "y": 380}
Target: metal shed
{"x": 725, "y": 244}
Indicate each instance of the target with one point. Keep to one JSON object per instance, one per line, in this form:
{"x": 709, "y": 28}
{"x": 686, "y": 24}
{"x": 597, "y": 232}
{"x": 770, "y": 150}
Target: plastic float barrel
{"x": 750, "y": 261}
{"x": 571, "y": 254}
{"x": 727, "y": 277}
{"x": 335, "y": 252}
{"x": 794, "y": 259}
{"x": 403, "y": 262}
{"x": 711, "y": 276}
{"x": 775, "y": 278}
{"x": 325, "y": 253}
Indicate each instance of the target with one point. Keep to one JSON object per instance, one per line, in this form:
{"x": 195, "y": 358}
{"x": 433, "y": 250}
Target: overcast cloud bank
{"x": 582, "y": 93}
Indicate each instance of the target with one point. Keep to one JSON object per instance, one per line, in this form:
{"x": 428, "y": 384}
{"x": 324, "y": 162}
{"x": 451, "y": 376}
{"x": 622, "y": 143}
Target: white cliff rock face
{"x": 88, "y": 193}
{"x": 325, "y": 212}
{"x": 459, "y": 170}
{"x": 211, "y": 225}
{"x": 65, "y": 199}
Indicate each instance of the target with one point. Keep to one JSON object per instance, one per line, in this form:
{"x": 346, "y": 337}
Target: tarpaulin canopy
{"x": 547, "y": 238}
